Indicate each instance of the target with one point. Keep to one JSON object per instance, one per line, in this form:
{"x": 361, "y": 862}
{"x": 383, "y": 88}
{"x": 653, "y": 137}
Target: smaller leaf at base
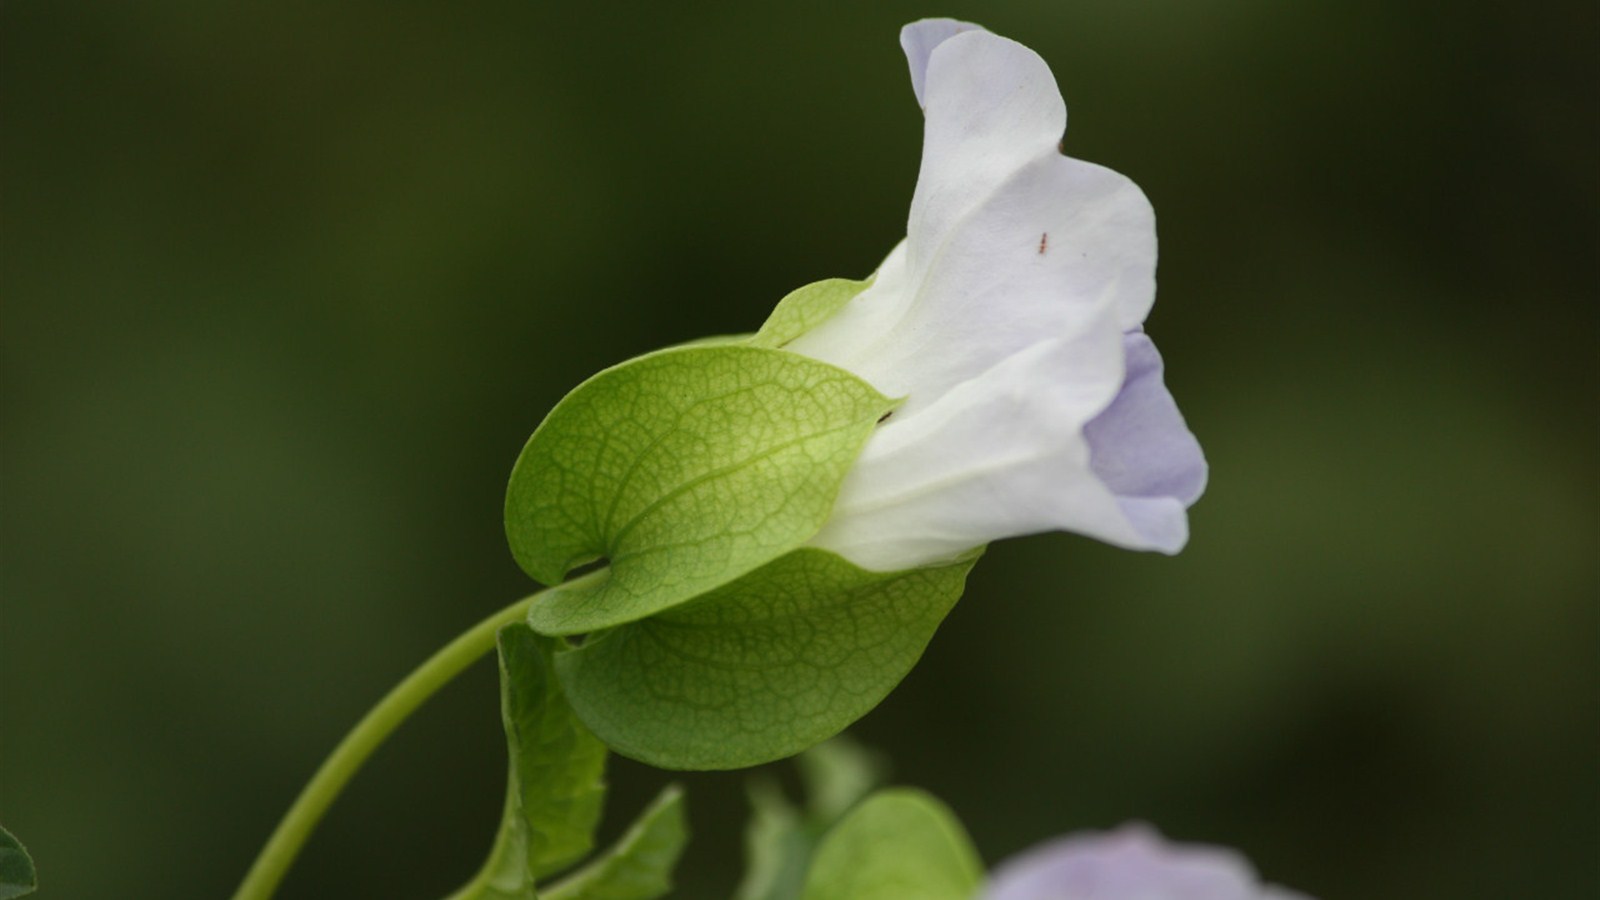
{"x": 554, "y": 792}
{"x": 558, "y": 764}
{"x": 555, "y": 782}
{"x": 639, "y": 866}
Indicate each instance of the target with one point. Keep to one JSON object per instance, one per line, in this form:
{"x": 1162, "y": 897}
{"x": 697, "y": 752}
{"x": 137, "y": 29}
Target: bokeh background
{"x": 286, "y": 286}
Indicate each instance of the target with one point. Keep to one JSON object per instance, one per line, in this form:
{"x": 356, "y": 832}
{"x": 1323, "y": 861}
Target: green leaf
{"x": 555, "y": 785}
{"x": 898, "y": 843}
{"x": 639, "y": 866}
{"x": 780, "y": 840}
{"x": 806, "y": 308}
{"x": 686, "y": 469}
{"x": 17, "y": 876}
{"x": 761, "y": 668}
{"x": 558, "y": 765}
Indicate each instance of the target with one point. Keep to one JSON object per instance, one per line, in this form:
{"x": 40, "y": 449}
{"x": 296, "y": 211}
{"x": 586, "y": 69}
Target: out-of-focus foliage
{"x": 17, "y": 877}
{"x": 898, "y": 843}
{"x": 286, "y": 286}
{"x": 781, "y": 838}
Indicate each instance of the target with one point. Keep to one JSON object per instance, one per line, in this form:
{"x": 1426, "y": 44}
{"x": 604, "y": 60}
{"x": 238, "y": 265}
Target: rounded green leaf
{"x": 762, "y": 667}
{"x": 685, "y": 469}
{"x": 898, "y": 843}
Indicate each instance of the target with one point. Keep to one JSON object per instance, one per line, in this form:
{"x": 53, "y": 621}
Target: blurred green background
{"x": 286, "y": 285}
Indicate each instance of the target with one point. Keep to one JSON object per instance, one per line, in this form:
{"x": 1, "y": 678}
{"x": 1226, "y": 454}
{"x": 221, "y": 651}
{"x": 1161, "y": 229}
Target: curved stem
{"x": 402, "y": 700}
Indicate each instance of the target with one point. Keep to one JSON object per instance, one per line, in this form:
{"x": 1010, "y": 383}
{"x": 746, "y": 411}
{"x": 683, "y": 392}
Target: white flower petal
{"x": 1005, "y": 248}
{"x": 1000, "y": 321}
{"x": 918, "y": 40}
{"x": 1000, "y": 455}
{"x": 992, "y": 109}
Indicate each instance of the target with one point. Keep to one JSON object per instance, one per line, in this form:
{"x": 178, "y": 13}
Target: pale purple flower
{"x": 1132, "y": 863}
{"x": 1010, "y": 319}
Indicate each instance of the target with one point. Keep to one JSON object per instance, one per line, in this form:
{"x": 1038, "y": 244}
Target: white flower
{"x": 1010, "y": 321}
{"x": 1131, "y": 863}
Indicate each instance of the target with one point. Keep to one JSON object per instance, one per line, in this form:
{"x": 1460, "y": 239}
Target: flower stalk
{"x": 352, "y": 752}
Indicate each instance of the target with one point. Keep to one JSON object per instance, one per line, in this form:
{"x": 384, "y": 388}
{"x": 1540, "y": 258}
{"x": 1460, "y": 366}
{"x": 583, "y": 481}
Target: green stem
{"x": 374, "y": 727}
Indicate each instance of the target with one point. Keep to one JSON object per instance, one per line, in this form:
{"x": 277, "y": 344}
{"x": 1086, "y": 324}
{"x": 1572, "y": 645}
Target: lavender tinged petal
{"x": 1143, "y": 451}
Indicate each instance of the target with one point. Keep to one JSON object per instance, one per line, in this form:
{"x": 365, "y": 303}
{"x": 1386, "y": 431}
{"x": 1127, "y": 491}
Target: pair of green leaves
{"x": 686, "y": 468}
{"x": 883, "y": 845}
{"x": 554, "y": 792}
{"x": 715, "y": 639}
